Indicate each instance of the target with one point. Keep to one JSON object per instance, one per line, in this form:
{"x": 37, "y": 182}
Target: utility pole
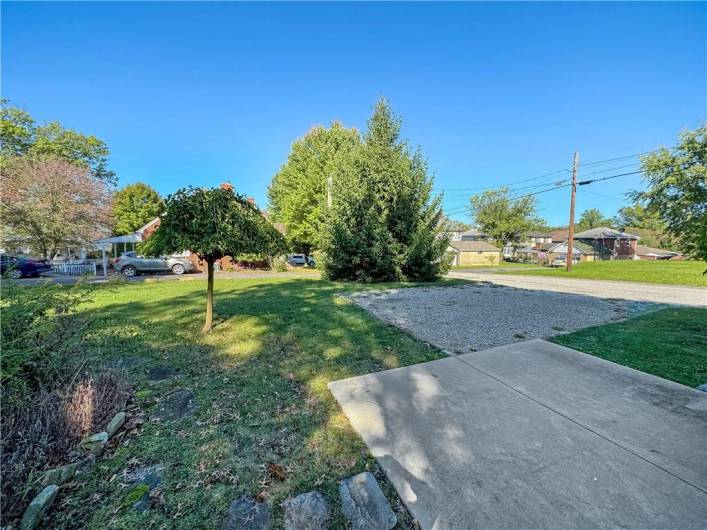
{"x": 570, "y": 238}
{"x": 329, "y": 183}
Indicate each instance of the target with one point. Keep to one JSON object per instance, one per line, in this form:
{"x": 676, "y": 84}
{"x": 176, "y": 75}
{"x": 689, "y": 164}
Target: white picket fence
{"x": 74, "y": 269}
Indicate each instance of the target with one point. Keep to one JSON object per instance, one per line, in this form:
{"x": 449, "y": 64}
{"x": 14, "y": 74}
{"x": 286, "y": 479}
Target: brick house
{"x": 609, "y": 243}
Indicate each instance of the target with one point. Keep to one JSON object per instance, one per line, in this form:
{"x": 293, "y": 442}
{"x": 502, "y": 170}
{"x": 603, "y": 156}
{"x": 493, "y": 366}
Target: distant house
{"x": 609, "y": 243}
{"x": 526, "y": 251}
{"x": 558, "y": 236}
{"x": 538, "y": 238}
{"x": 651, "y": 253}
{"x": 474, "y": 253}
{"x": 581, "y": 252}
{"x": 475, "y": 235}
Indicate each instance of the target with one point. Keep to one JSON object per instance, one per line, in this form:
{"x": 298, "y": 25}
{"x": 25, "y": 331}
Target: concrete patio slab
{"x": 470, "y": 446}
{"x": 661, "y": 421}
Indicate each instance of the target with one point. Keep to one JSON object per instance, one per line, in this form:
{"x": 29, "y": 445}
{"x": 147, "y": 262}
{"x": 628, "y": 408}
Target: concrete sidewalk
{"x": 535, "y": 435}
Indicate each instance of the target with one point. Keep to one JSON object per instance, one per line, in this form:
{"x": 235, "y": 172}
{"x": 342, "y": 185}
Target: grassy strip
{"x": 662, "y": 272}
{"x": 670, "y": 343}
{"x": 503, "y": 264}
{"x": 260, "y": 380}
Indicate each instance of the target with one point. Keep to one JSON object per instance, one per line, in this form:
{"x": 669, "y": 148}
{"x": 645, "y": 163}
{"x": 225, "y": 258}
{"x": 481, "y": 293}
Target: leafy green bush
{"x": 278, "y": 265}
{"x": 51, "y": 398}
{"x": 40, "y": 335}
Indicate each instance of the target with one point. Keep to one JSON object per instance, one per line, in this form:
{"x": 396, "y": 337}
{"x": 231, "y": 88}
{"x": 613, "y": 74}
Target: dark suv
{"x": 17, "y": 267}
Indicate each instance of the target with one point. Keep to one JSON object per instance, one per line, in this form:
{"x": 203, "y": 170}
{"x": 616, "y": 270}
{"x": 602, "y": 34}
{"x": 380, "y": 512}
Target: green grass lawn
{"x": 667, "y": 272}
{"x": 670, "y": 343}
{"x": 260, "y": 380}
{"x": 503, "y": 264}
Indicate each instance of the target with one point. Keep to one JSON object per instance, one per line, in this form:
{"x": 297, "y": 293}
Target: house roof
{"x": 578, "y": 246}
{"x": 135, "y": 237}
{"x": 473, "y": 246}
{"x": 559, "y": 235}
{"x": 539, "y": 234}
{"x": 603, "y": 232}
{"x": 643, "y": 250}
{"x": 473, "y": 232}
{"x": 142, "y": 229}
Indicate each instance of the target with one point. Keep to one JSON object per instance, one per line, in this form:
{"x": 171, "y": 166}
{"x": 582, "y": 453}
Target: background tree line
{"x": 57, "y": 188}
{"x": 363, "y": 201}
{"x": 671, "y": 212}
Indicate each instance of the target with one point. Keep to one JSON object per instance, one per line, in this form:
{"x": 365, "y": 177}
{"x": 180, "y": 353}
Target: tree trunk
{"x": 209, "y": 297}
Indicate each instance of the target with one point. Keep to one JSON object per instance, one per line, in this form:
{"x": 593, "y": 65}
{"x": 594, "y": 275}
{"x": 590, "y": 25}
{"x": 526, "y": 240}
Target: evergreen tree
{"x": 385, "y": 224}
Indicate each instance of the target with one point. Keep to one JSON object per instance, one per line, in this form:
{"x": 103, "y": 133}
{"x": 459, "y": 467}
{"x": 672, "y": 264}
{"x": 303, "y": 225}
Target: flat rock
{"x": 151, "y": 476}
{"x": 364, "y": 504}
{"x": 308, "y": 511}
{"x": 59, "y": 475}
{"x": 246, "y": 514}
{"x": 144, "y": 504}
{"x": 95, "y": 443}
{"x": 115, "y": 424}
{"x": 177, "y": 405}
{"x": 161, "y": 373}
{"x": 38, "y": 507}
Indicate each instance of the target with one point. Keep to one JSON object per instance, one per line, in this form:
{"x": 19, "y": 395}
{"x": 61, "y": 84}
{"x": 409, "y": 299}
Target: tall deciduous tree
{"x": 134, "y": 206}
{"x": 20, "y": 135}
{"x": 636, "y": 219}
{"x": 298, "y": 193}
{"x": 592, "y": 218}
{"x": 213, "y": 223}
{"x": 52, "y": 202}
{"x": 677, "y": 191}
{"x": 385, "y": 224}
{"x": 505, "y": 219}
{"x": 638, "y": 216}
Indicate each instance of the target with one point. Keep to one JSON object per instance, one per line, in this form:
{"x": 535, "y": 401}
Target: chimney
{"x": 226, "y": 186}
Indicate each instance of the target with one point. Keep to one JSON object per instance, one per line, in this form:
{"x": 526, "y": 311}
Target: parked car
{"x": 17, "y": 267}
{"x": 301, "y": 259}
{"x": 562, "y": 262}
{"x": 131, "y": 264}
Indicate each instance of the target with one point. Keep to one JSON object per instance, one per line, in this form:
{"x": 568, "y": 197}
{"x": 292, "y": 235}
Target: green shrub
{"x": 279, "y": 264}
{"x": 40, "y": 335}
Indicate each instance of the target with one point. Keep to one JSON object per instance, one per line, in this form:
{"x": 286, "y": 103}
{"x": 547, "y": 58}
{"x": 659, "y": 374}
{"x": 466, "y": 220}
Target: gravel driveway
{"x": 479, "y": 316}
{"x": 638, "y": 292}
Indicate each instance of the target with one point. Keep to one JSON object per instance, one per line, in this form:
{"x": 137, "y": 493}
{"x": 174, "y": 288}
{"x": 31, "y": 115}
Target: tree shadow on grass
{"x": 260, "y": 380}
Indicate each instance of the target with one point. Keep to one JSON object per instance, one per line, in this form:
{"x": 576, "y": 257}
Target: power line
{"x": 612, "y": 197}
{"x": 509, "y": 183}
{"x": 609, "y": 169}
{"x": 585, "y": 182}
{"x": 598, "y": 162}
{"x": 579, "y": 183}
{"x": 513, "y": 190}
{"x": 542, "y": 191}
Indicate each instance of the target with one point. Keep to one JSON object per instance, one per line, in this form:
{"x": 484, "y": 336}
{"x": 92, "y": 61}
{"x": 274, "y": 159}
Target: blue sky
{"x": 199, "y": 93}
